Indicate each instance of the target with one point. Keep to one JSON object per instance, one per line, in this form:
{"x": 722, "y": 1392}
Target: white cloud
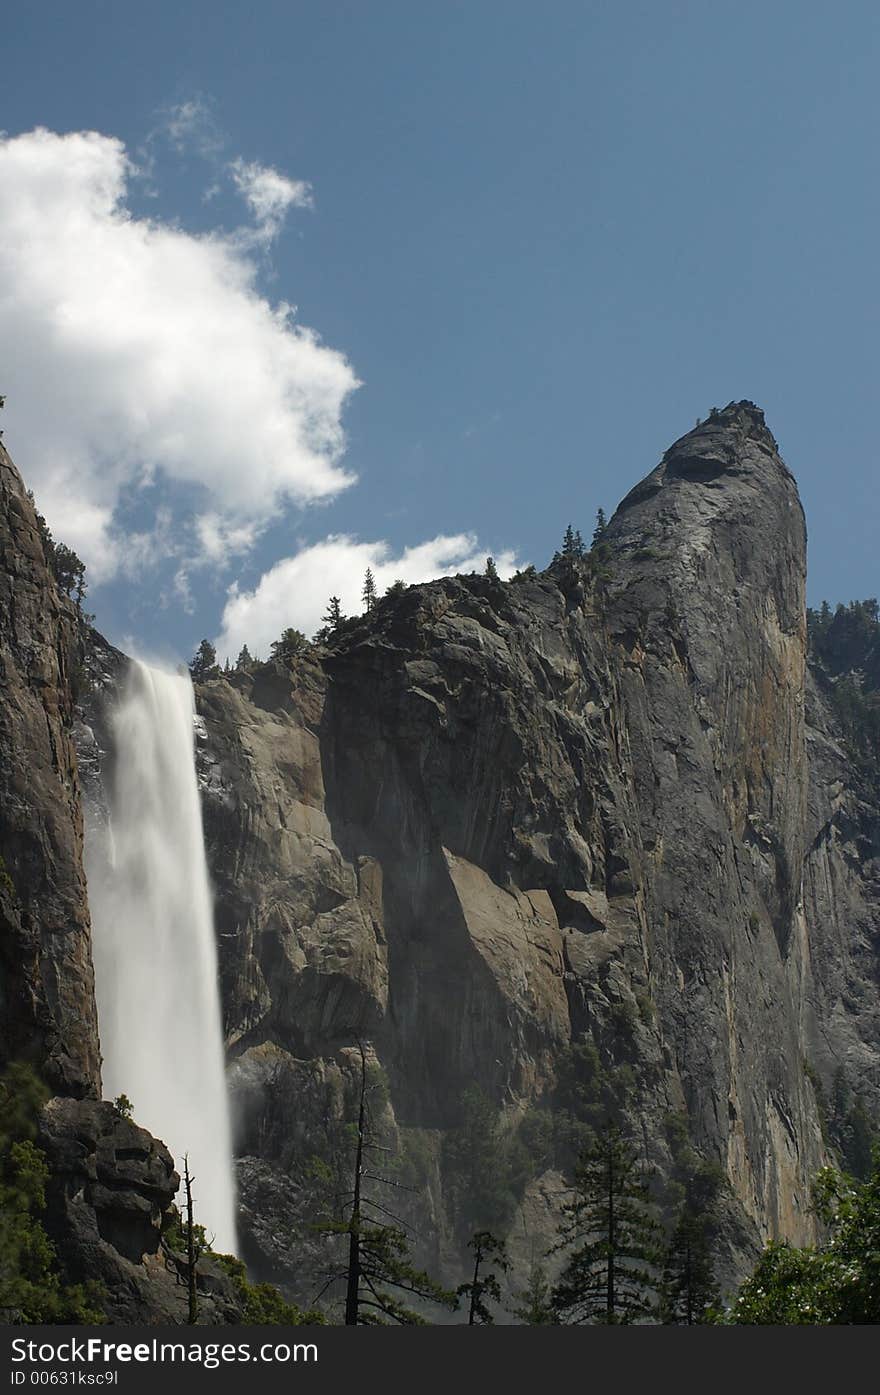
{"x": 192, "y": 125}
{"x": 183, "y": 596}
{"x": 268, "y": 194}
{"x": 296, "y": 590}
{"x": 189, "y": 127}
{"x": 220, "y": 540}
{"x": 144, "y": 363}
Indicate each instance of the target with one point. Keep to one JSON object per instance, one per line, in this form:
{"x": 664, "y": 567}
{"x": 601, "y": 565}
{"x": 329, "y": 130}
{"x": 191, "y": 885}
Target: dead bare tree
{"x": 193, "y": 1250}
{"x": 380, "y": 1281}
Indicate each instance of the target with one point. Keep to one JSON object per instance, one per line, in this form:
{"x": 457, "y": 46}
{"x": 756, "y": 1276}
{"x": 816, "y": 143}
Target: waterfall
{"x": 153, "y": 943}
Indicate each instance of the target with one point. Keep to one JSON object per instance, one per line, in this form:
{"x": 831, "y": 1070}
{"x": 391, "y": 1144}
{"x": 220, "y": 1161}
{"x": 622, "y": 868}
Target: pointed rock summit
{"x": 720, "y": 515}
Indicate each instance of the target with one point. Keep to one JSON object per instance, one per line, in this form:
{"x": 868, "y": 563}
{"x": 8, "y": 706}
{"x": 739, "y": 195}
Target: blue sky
{"x": 543, "y": 240}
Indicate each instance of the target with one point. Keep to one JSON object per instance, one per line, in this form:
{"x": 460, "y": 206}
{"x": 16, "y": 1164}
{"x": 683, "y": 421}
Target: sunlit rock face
{"x": 707, "y": 615}
{"x": 493, "y": 818}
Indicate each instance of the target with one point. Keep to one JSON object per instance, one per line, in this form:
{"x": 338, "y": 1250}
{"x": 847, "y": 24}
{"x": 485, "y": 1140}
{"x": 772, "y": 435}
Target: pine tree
{"x": 572, "y": 545}
{"x": 478, "y": 1167}
{"x": 600, "y": 552}
{"x": 68, "y": 569}
{"x": 689, "y": 1287}
{"x": 244, "y": 663}
{"x": 535, "y": 1307}
{"x": 291, "y": 643}
{"x": 69, "y": 572}
{"x": 368, "y": 595}
{"x": 333, "y": 616}
{"x": 204, "y": 662}
{"x": 491, "y": 569}
{"x": 483, "y": 1285}
{"x": 612, "y": 1238}
{"x": 396, "y": 588}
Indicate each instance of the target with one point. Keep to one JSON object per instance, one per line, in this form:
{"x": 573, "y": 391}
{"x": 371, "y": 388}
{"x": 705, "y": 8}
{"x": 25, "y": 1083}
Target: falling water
{"x": 153, "y": 943}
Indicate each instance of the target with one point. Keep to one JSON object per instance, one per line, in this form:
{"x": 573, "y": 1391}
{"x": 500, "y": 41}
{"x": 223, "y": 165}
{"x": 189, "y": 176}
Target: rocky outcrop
{"x": 102, "y": 1160}
{"x": 111, "y": 1186}
{"x": 47, "y": 1001}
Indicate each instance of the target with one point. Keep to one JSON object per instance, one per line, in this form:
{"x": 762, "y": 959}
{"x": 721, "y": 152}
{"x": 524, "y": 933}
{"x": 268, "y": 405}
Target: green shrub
{"x": 836, "y": 1283}
{"x": 645, "y": 1005}
{"x": 263, "y": 1304}
{"x": 31, "y": 1288}
{"x": 260, "y": 1303}
{"x": 123, "y": 1106}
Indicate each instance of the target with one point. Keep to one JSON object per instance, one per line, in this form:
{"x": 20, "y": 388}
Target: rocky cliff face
{"x": 493, "y": 820}
{"x": 591, "y": 831}
{"x": 707, "y": 617}
{"x": 47, "y": 1002}
{"x": 842, "y": 906}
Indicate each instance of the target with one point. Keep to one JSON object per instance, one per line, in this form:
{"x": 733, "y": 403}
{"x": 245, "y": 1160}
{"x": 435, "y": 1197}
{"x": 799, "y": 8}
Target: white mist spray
{"x": 153, "y": 943}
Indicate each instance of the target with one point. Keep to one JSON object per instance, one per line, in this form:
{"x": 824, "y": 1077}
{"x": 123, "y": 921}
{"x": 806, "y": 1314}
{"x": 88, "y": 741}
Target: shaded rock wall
{"x": 842, "y": 909}
{"x": 47, "y": 996}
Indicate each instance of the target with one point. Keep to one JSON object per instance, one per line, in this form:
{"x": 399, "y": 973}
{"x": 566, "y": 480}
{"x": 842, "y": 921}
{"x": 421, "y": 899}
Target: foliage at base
{"x": 31, "y": 1288}
{"x": 837, "y": 1282}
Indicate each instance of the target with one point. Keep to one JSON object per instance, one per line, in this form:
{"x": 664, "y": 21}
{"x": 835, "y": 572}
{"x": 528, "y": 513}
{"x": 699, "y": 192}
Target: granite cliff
{"x": 596, "y": 821}
{"x": 45, "y": 951}
{"x": 490, "y": 822}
